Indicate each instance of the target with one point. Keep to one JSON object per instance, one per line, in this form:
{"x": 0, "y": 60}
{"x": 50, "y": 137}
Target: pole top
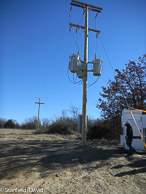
{"x": 85, "y": 5}
{"x": 39, "y": 102}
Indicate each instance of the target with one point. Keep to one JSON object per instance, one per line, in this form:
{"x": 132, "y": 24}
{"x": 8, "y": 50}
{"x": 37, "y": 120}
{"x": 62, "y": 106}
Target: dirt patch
{"x": 60, "y": 164}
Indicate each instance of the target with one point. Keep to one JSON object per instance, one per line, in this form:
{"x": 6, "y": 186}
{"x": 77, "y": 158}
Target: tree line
{"x": 11, "y": 123}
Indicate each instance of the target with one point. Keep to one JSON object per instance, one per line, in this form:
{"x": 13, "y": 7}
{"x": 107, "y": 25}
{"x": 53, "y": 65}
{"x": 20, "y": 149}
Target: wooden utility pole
{"x": 84, "y": 106}
{"x": 39, "y": 103}
{"x": 86, "y": 7}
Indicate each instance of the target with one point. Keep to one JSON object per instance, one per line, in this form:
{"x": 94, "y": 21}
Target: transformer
{"x": 97, "y": 67}
{"x": 75, "y": 63}
{"x": 76, "y": 66}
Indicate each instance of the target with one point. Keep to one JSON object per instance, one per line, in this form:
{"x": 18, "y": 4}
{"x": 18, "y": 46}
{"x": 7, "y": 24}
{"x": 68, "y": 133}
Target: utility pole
{"x": 39, "y": 103}
{"x": 84, "y": 106}
{"x": 86, "y": 7}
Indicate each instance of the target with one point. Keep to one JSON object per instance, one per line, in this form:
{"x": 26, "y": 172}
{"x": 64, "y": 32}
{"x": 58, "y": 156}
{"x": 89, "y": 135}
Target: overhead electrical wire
{"x": 73, "y": 82}
{"x": 74, "y": 78}
{"x": 97, "y": 79}
{"x": 108, "y": 58}
{"x": 109, "y": 61}
{"x": 76, "y": 41}
{"x": 107, "y": 55}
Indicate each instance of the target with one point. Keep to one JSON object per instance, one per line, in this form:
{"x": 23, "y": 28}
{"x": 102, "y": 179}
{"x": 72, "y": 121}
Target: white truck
{"x": 140, "y": 119}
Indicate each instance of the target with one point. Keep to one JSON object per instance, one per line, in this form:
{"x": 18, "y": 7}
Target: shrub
{"x": 104, "y": 129}
{"x": 30, "y": 123}
{"x": 98, "y": 132}
{"x": 98, "y": 129}
{"x": 45, "y": 123}
{"x": 2, "y": 123}
{"x": 11, "y": 124}
{"x": 63, "y": 126}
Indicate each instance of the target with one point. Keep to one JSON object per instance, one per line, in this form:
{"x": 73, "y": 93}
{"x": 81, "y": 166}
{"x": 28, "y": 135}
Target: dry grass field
{"x": 54, "y": 164}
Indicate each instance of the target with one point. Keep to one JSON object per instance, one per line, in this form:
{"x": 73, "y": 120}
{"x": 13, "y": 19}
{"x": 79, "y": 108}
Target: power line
{"x": 109, "y": 61}
{"x": 106, "y": 54}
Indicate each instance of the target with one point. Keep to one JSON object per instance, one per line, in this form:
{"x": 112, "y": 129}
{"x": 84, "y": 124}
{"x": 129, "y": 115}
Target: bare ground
{"x": 54, "y": 164}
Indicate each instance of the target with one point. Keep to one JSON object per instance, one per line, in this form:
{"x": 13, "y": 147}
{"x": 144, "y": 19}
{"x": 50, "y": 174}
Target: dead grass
{"x": 60, "y": 164}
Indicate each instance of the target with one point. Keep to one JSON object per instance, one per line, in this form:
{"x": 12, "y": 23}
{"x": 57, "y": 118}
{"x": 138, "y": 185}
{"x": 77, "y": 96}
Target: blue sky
{"x": 35, "y": 45}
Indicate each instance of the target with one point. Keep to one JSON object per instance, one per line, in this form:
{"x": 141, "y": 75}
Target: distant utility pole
{"x": 39, "y": 103}
{"x": 87, "y": 8}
